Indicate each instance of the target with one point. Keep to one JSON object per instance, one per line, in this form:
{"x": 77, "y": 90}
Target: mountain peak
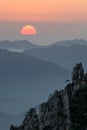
{"x": 63, "y": 109}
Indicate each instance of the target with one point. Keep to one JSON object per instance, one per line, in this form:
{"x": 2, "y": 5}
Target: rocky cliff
{"x": 64, "y": 110}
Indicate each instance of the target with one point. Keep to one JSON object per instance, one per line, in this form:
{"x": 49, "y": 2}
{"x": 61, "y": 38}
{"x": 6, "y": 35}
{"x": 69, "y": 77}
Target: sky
{"x": 54, "y": 20}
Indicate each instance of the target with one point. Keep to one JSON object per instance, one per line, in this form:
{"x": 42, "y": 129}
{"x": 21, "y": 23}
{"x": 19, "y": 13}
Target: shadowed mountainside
{"x": 23, "y": 76}
{"x": 65, "y": 56}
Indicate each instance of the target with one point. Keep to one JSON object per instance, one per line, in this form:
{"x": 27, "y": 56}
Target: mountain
{"x": 17, "y": 45}
{"x": 22, "y": 76}
{"x": 71, "y": 42}
{"x": 18, "y": 64}
{"x": 65, "y": 56}
{"x": 20, "y": 45}
{"x": 64, "y": 110}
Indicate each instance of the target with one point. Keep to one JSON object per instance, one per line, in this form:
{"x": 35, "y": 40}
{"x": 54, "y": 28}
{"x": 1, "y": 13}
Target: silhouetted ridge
{"x": 17, "y": 45}
{"x": 64, "y": 110}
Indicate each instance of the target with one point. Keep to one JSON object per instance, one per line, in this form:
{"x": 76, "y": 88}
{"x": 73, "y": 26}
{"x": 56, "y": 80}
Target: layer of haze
{"x": 54, "y": 20}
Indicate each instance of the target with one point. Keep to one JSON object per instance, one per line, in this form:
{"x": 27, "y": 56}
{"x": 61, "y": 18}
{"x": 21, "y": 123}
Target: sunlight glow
{"x": 28, "y": 30}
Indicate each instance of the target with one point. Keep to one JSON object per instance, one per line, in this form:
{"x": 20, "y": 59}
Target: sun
{"x": 28, "y": 30}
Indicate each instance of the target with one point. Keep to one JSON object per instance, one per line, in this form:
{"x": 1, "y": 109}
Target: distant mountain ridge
{"x": 71, "y": 42}
{"x": 65, "y": 56}
{"x": 17, "y": 45}
{"x": 20, "y": 45}
{"x": 18, "y": 62}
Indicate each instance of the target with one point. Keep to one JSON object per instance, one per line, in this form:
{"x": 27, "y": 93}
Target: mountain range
{"x": 27, "y": 77}
{"x": 20, "y": 45}
{"x": 17, "y": 45}
{"x": 71, "y": 42}
{"x": 22, "y": 76}
{"x": 37, "y": 70}
{"x": 65, "y": 56}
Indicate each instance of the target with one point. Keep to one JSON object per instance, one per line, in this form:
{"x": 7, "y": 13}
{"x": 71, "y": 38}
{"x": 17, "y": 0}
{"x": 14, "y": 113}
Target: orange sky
{"x": 43, "y": 10}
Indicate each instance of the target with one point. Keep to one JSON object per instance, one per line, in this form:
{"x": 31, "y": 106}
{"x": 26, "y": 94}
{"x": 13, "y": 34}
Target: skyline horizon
{"x": 47, "y": 33}
{"x": 53, "y": 20}
{"x": 30, "y": 42}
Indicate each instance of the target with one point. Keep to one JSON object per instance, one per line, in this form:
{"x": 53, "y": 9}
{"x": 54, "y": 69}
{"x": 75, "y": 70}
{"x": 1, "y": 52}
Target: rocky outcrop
{"x": 57, "y": 112}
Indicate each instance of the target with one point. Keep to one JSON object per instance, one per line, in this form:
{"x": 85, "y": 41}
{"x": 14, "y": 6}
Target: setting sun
{"x": 28, "y": 30}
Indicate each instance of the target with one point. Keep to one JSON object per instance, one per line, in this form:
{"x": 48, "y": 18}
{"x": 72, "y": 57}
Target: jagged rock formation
{"x": 65, "y": 109}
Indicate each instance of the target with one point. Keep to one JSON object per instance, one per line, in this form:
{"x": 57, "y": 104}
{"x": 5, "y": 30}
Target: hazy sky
{"x": 54, "y": 19}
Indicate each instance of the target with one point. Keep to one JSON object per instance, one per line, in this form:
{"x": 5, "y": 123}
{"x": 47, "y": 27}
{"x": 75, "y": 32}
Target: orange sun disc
{"x": 28, "y": 30}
